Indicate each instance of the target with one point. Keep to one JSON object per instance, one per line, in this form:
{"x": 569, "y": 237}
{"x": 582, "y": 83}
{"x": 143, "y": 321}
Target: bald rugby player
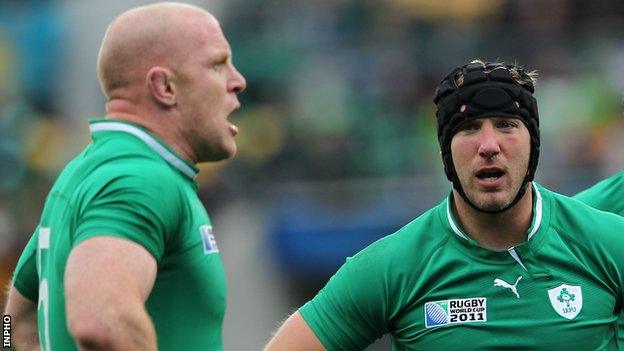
{"x": 124, "y": 256}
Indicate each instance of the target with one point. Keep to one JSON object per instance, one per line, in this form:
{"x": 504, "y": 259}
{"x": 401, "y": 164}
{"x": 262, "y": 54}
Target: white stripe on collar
{"x": 538, "y": 213}
{"x": 172, "y": 159}
{"x": 449, "y": 216}
{"x": 534, "y": 228}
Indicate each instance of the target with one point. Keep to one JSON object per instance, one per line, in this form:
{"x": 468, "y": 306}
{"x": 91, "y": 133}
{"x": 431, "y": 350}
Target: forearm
{"x": 25, "y": 336}
{"x": 23, "y": 321}
{"x": 138, "y": 333}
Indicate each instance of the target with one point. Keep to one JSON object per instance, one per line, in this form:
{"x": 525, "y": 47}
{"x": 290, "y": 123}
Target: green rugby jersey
{"x": 431, "y": 287}
{"x": 129, "y": 184}
{"x": 607, "y": 195}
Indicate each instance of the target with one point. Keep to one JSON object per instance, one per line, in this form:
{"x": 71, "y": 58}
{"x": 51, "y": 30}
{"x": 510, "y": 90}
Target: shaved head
{"x": 168, "y": 67}
{"x": 154, "y": 35}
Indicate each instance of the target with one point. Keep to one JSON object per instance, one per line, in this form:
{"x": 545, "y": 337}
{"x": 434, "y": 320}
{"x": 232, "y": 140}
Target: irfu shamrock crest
{"x": 565, "y": 296}
{"x": 566, "y": 300}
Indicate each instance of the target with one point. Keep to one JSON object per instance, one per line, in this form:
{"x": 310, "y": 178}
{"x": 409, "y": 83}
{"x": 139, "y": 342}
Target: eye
{"x": 507, "y": 123}
{"x": 470, "y": 126}
{"x": 219, "y": 65}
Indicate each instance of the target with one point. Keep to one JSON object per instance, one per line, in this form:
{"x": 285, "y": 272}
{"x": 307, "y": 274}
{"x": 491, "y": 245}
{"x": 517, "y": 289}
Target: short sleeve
{"x": 25, "y": 278}
{"x": 142, "y": 208}
{"x": 349, "y": 313}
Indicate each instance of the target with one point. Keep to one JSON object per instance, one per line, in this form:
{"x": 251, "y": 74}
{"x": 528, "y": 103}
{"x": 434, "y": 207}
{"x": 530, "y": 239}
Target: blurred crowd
{"x": 338, "y": 102}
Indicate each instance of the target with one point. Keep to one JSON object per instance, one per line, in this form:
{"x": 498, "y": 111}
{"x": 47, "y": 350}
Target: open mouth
{"x": 490, "y": 174}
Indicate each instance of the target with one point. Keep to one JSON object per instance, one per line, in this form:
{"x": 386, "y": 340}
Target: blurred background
{"x": 337, "y": 145}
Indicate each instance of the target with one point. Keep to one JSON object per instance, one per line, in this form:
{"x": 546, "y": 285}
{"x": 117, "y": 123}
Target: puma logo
{"x": 504, "y": 284}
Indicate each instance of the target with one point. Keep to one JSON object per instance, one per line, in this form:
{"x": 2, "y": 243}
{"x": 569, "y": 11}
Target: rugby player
{"x": 124, "y": 256}
{"x": 502, "y": 263}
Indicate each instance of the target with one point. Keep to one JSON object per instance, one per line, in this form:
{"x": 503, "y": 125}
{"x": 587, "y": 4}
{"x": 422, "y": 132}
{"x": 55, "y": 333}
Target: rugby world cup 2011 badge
{"x": 454, "y": 311}
{"x": 208, "y": 239}
{"x": 567, "y": 300}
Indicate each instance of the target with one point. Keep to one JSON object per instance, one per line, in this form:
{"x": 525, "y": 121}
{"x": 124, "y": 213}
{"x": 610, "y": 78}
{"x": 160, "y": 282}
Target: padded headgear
{"x": 483, "y": 89}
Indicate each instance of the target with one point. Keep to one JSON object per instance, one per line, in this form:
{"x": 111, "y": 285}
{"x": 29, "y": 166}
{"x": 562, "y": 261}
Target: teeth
{"x": 489, "y": 176}
{"x": 233, "y": 129}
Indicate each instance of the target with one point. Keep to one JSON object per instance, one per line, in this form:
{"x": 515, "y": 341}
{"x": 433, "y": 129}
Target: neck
{"x": 496, "y": 231}
{"x": 157, "y": 122}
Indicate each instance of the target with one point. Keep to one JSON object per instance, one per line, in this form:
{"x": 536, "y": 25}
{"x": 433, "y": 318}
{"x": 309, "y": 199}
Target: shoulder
{"x": 140, "y": 174}
{"x": 591, "y": 236}
{"x": 144, "y": 186}
{"x": 410, "y": 246}
{"x": 582, "y": 221}
{"x": 614, "y": 185}
{"x": 374, "y": 281}
{"x": 606, "y": 195}
{"x": 616, "y": 180}
{"x": 110, "y": 160}
{"x": 124, "y": 155}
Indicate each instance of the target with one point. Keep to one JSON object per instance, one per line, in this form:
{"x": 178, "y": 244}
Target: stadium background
{"x": 337, "y": 144}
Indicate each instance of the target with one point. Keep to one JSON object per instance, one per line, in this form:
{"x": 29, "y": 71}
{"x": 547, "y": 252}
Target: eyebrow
{"x": 223, "y": 53}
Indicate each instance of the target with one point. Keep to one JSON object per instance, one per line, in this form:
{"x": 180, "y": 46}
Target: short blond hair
{"x": 514, "y": 69}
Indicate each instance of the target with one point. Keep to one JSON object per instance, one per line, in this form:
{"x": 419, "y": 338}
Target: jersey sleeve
{"x": 25, "y": 278}
{"x": 143, "y": 208}
{"x": 350, "y": 312}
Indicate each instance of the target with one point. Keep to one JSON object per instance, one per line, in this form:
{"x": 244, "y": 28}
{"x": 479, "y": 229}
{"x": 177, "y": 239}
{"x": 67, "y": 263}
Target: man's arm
{"x": 23, "y": 314}
{"x": 295, "y": 335}
{"x": 107, "y": 281}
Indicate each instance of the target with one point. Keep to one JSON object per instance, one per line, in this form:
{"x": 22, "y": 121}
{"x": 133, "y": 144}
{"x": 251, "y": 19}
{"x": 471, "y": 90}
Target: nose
{"x": 237, "y": 83}
{"x": 488, "y": 142}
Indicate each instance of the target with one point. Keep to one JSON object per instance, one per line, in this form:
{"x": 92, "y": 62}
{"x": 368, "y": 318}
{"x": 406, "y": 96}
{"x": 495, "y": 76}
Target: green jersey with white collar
{"x": 431, "y": 287}
{"x": 129, "y": 184}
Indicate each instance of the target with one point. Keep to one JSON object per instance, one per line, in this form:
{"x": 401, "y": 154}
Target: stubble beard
{"x": 218, "y": 150}
{"x": 492, "y": 202}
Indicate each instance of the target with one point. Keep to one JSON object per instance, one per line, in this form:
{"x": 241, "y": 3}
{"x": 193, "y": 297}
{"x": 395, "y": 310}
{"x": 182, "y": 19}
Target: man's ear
{"x": 161, "y": 86}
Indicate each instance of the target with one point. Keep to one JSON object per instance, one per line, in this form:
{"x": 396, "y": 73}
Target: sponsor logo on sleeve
{"x": 567, "y": 300}
{"x": 455, "y": 311}
{"x": 208, "y": 239}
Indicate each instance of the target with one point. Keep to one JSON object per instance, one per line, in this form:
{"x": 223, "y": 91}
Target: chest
{"x": 484, "y": 306}
{"x": 190, "y": 276}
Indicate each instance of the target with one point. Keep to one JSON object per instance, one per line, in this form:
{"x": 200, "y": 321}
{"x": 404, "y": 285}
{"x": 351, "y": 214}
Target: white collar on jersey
{"x": 537, "y": 221}
{"x": 537, "y": 218}
{"x": 148, "y": 139}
